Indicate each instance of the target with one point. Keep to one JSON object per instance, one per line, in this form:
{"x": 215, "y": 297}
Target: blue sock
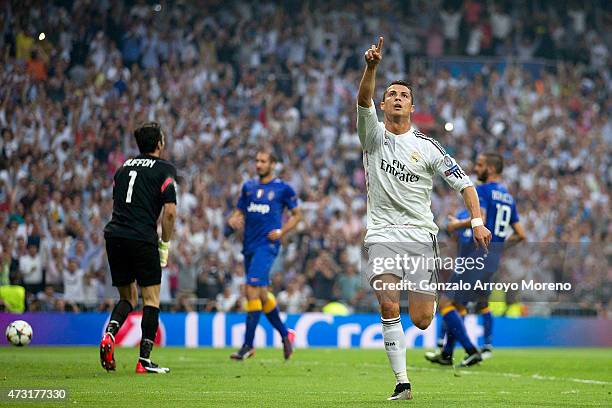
{"x": 275, "y": 320}
{"x": 449, "y": 345}
{"x": 487, "y": 322}
{"x": 455, "y": 325}
{"x": 442, "y": 333}
{"x": 251, "y": 325}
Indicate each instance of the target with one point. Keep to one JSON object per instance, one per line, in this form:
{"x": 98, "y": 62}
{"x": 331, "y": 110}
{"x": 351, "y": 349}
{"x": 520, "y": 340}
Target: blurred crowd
{"x": 223, "y": 77}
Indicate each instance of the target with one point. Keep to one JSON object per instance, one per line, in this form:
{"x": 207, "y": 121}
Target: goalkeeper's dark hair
{"x": 496, "y": 160}
{"x": 148, "y": 135}
{"x": 403, "y": 83}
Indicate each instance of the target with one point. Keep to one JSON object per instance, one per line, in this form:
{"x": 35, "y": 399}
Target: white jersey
{"x": 399, "y": 177}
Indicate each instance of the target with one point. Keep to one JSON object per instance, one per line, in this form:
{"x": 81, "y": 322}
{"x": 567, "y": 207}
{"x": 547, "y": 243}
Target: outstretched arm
{"x": 373, "y": 56}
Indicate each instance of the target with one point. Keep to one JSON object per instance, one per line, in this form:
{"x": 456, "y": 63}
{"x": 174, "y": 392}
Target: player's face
{"x": 481, "y": 170}
{"x": 263, "y": 164}
{"x": 398, "y": 101}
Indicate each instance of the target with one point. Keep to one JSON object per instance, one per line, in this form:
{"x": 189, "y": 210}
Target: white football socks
{"x": 395, "y": 345}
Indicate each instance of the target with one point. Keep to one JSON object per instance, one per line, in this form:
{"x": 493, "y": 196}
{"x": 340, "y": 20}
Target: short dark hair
{"x": 400, "y": 82}
{"x": 496, "y": 160}
{"x": 270, "y": 152}
{"x": 148, "y": 135}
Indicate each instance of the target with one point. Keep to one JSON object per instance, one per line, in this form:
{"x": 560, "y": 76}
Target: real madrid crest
{"x": 414, "y": 156}
{"x": 448, "y": 161}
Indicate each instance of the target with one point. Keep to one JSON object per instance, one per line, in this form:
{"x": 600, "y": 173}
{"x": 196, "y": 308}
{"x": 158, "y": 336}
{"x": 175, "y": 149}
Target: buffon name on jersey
{"x": 139, "y": 162}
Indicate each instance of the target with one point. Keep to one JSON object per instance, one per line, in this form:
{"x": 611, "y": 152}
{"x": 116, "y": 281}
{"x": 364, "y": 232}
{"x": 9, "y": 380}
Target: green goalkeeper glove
{"x": 164, "y": 248}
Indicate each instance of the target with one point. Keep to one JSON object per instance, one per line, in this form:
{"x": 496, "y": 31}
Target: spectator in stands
{"x": 323, "y": 277}
{"x": 31, "y": 269}
{"x": 36, "y": 67}
{"x": 220, "y": 91}
{"x": 5, "y": 267}
{"x": 350, "y": 286}
{"x": 48, "y": 299}
{"x": 91, "y": 289}
{"x": 226, "y": 301}
{"x": 73, "y": 277}
{"x": 292, "y": 300}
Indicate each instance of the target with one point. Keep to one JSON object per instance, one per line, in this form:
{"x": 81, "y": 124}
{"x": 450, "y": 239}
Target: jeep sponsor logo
{"x": 258, "y": 208}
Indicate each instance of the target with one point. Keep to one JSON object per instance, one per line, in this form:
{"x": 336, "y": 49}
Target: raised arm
{"x": 373, "y": 56}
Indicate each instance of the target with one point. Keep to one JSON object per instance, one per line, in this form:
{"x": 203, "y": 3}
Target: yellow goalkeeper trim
{"x": 270, "y": 303}
{"x": 485, "y": 310}
{"x": 253, "y": 305}
{"x": 447, "y": 310}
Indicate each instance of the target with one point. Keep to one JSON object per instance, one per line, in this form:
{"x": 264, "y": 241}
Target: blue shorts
{"x": 257, "y": 265}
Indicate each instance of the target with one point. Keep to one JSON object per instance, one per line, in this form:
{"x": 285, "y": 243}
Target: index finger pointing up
{"x": 380, "y": 44}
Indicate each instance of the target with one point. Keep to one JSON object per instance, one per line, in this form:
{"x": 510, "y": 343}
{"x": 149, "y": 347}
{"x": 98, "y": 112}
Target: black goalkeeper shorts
{"x": 132, "y": 260}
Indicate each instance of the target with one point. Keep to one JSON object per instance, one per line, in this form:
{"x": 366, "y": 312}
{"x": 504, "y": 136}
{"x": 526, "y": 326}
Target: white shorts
{"x": 408, "y": 253}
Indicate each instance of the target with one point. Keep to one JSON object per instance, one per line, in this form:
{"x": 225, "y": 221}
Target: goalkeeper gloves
{"x": 164, "y": 248}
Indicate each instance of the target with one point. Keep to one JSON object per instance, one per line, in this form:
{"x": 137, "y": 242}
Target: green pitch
{"x": 314, "y": 377}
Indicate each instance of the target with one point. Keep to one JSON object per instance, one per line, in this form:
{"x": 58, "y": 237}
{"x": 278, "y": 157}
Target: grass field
{"x": 314, "y": 377}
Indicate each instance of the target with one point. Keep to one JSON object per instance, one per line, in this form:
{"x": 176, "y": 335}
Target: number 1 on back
{"x": 128, "y": 198}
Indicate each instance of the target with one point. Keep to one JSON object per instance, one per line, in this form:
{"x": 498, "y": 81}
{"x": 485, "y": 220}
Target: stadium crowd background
{"x": 222, "y": 77}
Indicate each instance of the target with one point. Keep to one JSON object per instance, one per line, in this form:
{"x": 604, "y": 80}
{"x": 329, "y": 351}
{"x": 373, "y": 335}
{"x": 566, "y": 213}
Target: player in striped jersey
{"x": 400, "y": 164}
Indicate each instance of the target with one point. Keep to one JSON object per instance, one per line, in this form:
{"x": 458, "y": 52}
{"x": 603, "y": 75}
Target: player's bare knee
{"x": 129, "y": 293}
{"x": 263, "y": 295}
{"x": 150, "y": 300}
{"x": 422, "y": 320}
{"x": 150, "y": 295}
{"x": 252, "y": 292}
{"x": 389, "y": 309}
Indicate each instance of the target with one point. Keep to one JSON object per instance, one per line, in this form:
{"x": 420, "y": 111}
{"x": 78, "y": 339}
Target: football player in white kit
{"x": 400, "y": 164}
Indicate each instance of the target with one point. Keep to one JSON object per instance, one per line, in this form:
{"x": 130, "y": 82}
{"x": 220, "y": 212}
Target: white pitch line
{"x": 462, "y": 372}
{"x": 470, "y": 372}
{"x": 578, "y": 380}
